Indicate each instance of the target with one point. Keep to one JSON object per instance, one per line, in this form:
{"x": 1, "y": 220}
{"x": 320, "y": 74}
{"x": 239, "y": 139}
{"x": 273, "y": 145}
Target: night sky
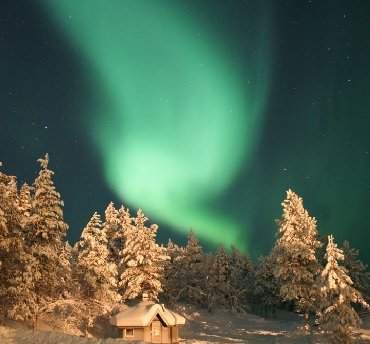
{"x": 202, "y": 113}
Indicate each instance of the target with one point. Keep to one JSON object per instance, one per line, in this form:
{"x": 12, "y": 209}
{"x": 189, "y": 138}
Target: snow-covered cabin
{"x": 148, "y": 321}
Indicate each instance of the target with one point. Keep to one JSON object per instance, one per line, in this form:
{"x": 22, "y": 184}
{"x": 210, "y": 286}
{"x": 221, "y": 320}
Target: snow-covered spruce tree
{"x": 221, "y": 272}
{"x": 191, "y": 274}
{"x": 212, "y": 287}
{"x": 338, "y": 315}
{"x": 241, "y": 281}
{"x": 207, "y": 290}
{"x": 47, "y": 226}
{"x": 266, "y": 288}
{"x": 171, "y": 284}
{"x": 321, "y": 251}
{"x": 117, "y": 224}
{"x": 5, "y": 239}
{"x": 193, "y": 256}
{"x": 75, "y": 309}
{"x": 97, "y": 274}
{"x": 10, "y": 216}
{"x": 10, "y": 240}
{"x": 110, "y": 227}
{"x": 25, "y": 205}
{"x": 357, "y": 270}
{"x": 66, "y": 262}
{"x": 22, "y": 296}
{"x": 143, "y": 261}
{"x": 17, "y": 296}
{"x": 296, "y": 267}
{"x": 223, "y": 280}
{"x": 70, "y": 256}
{"x": 125, "y": 222}
{"x": 44, "y": 235}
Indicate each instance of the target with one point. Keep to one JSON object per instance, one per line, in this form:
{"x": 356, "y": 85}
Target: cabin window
{"x": 129, "y": 332}
{"x": 156, "y": 332}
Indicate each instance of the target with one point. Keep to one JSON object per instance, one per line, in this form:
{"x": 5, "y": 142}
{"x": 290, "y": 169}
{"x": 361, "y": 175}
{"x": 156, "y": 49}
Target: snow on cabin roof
{"x": 143, "y": 313}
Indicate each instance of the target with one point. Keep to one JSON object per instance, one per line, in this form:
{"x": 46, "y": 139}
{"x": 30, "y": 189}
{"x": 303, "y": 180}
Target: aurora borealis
{"x": 202, "y": 113}
{"x": 176, "y": 122}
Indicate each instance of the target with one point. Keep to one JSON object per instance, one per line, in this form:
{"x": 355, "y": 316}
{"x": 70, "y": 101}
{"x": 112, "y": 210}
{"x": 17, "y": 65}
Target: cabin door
{"x": 156, "y": 331}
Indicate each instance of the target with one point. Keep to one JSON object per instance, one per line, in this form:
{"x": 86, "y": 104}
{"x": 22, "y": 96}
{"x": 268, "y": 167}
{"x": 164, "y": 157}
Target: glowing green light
{"x": 174, "y": 122}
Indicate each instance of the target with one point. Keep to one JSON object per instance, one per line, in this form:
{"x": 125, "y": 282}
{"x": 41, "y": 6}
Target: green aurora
{"x": 172, "y": 118}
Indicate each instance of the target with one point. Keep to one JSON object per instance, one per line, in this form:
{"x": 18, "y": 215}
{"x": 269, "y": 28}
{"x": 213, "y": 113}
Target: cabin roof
{"x": 142, "y": 315}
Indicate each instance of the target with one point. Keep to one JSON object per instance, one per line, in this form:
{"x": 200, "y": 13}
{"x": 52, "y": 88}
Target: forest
{"x": 117, "y": 259}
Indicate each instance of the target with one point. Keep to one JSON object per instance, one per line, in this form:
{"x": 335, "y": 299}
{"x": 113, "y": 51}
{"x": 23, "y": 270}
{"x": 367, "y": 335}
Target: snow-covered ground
{"x": 201, "y": 328}
{"x": 10, "y": 336}
{"x": 223, "y": 327}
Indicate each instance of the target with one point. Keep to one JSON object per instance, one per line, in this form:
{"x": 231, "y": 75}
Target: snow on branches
{"x": 296, "y": 265}
{"x": 337, "y": 313}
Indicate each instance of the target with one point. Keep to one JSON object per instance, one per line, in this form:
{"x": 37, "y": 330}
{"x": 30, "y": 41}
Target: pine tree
{"x": 25, "y": 205}
{"x": 48, "y": 225}
{"x": 357, "y": 270}
{"x": 222, "y": 272}
{"x": 174, "y": 251}
{"x": 22, "y": 294}
{"x": 11, "y": 243}
{"x": 97, "y": 274}
{"x": 17, "y": 295}
{"x": 117, "y": 225}
{"x": 191, "y": 270}
{"x": 5, "y": 240}
{"x": 296, "y": 265}
{"x": 9, "y": 212}
{"x": 207, "y": 291}
{"x": 338, "y": 315}
{"x": 265, "y": 285}
{"x": 171, "y": 286}
{"x": 144, "y": 261}
{"x": 66, "y": 264}
{"x": 193, "y": 256}
{"x": 111, "y": 228}
{"x": 44, "y": 235}
{"x": 242, "y": 271}
{"x": 125, "y": 222}
{"x": 212, "y": 286}
{"x": 321, "y": 251}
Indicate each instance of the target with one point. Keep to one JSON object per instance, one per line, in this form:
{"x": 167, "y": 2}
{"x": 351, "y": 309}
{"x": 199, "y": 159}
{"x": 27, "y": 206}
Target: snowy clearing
{"x": 201, "y": 328}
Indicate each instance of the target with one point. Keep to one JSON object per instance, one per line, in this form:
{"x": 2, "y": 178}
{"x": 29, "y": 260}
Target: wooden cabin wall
{"x": 147, "y": 334}
{"x": 174, "y": 334}
{"x": 138, "y": 334}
